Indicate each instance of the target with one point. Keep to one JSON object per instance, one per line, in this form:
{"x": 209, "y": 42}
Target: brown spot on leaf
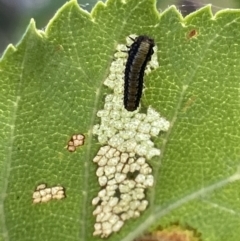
{"x": 172, "y": 233}
{"x": 189, "y": 103}
{"x": 192, "y": 33}
{"x": 59, "y": 48}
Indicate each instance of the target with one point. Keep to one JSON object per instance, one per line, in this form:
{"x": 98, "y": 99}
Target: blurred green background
{"x": 15, "y": 14}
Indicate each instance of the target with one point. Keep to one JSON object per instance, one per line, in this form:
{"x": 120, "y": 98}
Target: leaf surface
{"x": 52, "y": 87}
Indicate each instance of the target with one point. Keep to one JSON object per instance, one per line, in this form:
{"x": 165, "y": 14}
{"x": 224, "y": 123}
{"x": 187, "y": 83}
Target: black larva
{"x": 138, "y": 56}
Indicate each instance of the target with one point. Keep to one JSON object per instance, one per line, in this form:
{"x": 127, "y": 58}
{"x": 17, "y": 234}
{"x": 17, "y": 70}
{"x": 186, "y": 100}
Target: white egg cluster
{"x": 75, "y": 141}
{"x": 43, "y": 194}
{"x": 123, "y": 172}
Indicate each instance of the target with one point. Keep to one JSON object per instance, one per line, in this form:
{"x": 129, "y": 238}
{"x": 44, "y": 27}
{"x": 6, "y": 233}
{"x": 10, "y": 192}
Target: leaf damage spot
{"x": 172, "y": 233}
{"x": 192, "y": 33}
{"x": 123, "y": 172}
{"x": 121, "y": 197}
{"x": 43, "y": 194}
{"x": 59, "y": 48}
{"x": 75, "y": 141}
{"x": 188, "y": 104}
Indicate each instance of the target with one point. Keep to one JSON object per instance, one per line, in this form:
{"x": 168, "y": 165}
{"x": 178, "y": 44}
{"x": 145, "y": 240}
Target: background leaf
{"x": 52, "y": 87}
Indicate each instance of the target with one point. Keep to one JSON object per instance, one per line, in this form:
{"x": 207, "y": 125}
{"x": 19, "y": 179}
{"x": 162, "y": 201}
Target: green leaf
{"x": 52, "y": 87}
